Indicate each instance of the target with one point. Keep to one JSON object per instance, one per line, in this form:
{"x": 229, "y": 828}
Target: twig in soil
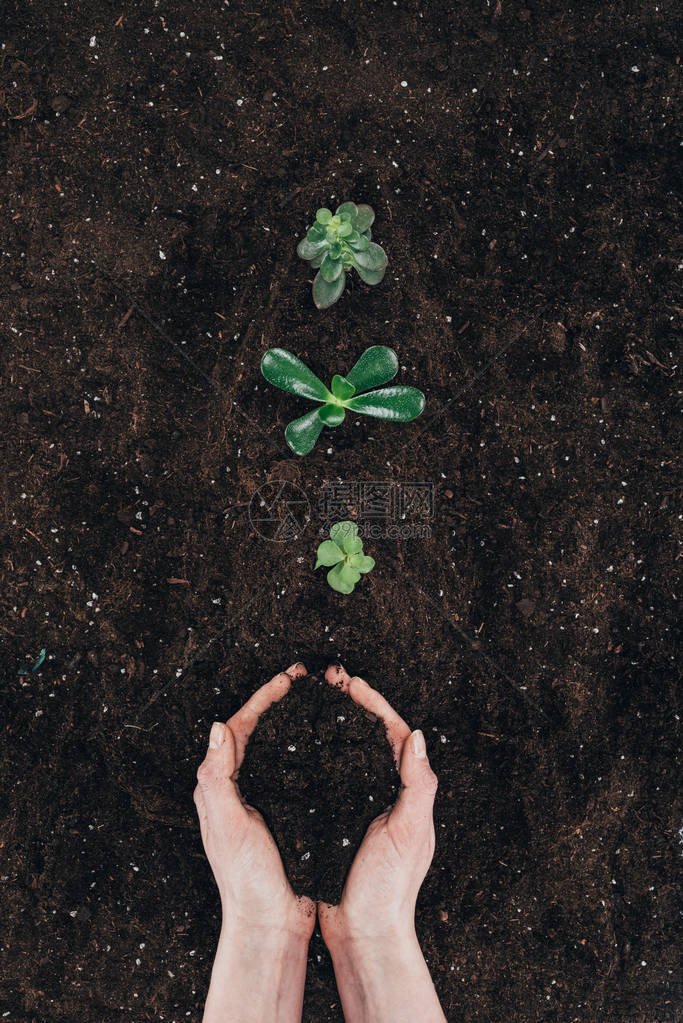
{"x": 125, "y": 318}
{"x": 25, "y": 113}
{"x": 38, "y": 541}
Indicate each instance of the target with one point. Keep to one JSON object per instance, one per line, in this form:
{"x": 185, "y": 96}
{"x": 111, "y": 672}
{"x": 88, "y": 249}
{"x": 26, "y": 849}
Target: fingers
{"x": 338, "y": 676}
{"x": 367, "y": 697}
{"x": 243, "y": 723}
{"x": 419, "y": 783}
{"x": 415, "y": 803}
{"x": 214, "y": 776}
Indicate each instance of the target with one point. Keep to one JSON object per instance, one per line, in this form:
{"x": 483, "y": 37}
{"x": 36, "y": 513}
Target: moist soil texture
{"x": 320, "y": 769}
{"x": 161, "y": 160}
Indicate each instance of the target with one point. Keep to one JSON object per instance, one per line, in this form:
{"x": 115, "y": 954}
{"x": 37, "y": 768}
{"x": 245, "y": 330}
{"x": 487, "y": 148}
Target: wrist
{"x": 354, "y": 944}
{"x": 277, "y": 924}
{"x": 366, "y": 958}
{"x": 384, "y": 979}
{"x": 264, "y": 938}
{"x": 258, "y": 974}
{"x": 353, "y": 936}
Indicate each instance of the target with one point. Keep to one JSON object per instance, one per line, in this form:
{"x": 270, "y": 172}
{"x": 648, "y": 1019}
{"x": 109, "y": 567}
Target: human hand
{"x": 381, "y": 972}
{"x": 385, "y": 877}
{"x": 246, "y": 864}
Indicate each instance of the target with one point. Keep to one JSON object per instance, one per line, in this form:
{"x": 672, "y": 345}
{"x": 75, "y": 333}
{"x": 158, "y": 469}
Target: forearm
{"x": 257, "y": 977}
{"x": 385, "y": 982}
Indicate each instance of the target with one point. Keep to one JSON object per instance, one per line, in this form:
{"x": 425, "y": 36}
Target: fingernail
{"x": 293, "y": 668}
{"x": 419, "y": 744}
{"x": 217, "y": 735}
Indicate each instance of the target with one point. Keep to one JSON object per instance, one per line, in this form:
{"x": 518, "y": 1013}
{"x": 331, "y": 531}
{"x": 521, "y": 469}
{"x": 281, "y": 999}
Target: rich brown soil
{"x": 319, "y": 769}
{"x": 162, "y": 160}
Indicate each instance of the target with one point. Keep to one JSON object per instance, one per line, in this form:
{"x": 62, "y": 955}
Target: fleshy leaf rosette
{"x": 343, "y": 555}
{"x": 353, "y": 392}
{"x": 337, "y": 243}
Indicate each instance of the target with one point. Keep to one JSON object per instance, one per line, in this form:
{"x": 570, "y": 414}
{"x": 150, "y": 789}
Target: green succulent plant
{"x": 376, "y": 366}
{"x": 344, "y": 551}
{"x": 335, "y": 244}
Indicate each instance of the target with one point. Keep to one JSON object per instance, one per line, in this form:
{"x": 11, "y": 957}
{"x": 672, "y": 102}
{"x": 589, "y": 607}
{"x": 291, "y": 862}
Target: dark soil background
{"x": 162, "y": 159}
{"x": 320, "y": 769}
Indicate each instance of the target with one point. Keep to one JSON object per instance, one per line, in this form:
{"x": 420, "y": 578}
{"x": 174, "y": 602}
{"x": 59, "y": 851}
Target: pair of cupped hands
{"x": 378, "y": 902}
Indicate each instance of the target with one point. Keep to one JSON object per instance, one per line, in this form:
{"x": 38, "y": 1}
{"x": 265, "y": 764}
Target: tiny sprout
{"x": 337, "y": 243}
{"x": 376, "y": 366}
{"x": 344, "y": 550}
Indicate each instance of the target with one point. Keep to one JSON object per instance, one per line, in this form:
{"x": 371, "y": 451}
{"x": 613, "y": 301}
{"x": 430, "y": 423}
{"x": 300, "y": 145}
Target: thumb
{"x": 215, "y": 772}
{"x": 416, "y": 800}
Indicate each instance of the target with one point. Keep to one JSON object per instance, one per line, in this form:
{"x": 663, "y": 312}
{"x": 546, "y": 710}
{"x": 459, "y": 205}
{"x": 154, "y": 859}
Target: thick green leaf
{"x": 316, "y": 233}
{"x": 326, "y": 294}
{"x": 344, "y": 230}
{"x": 347, "y": 211}
{"x": 301, "y": 434}
{"x": 352, "y": 544}
{"x": 349, "y": 573}
{"x": 328, "y": 554}
{"x": 332, "y": 415}
{"x": 369, "y": 276}
{"x": 337, "y": 582}
{"x": 284, "y": 370}
{"x": 374, "y": 257}
{"x": 398, "y": 403}
{"x": 376, "y": 366}
{"x": 331, "y": 268}
{"x": 367, "y": 234}
{"x": 360, "y": 245}
{"x": 323, "y": 216}
{"x": 307, "y": 250}
{"x": 365, "y": 216}
{"x": 363, "y": 563}
{"x": 353, "y": 238}
{"x": 336, "y": 250}
{"x": 342, "y": 388}
{"x": 341, "y": 530}
{"x": 317, "y": 260}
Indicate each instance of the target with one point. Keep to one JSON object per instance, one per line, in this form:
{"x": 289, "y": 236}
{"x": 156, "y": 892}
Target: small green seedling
{"x": 376, "y": 366}
{"x": 344, "y": 550}
{"x": 36, "y": 664}
{"x": 337, "y": 243}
